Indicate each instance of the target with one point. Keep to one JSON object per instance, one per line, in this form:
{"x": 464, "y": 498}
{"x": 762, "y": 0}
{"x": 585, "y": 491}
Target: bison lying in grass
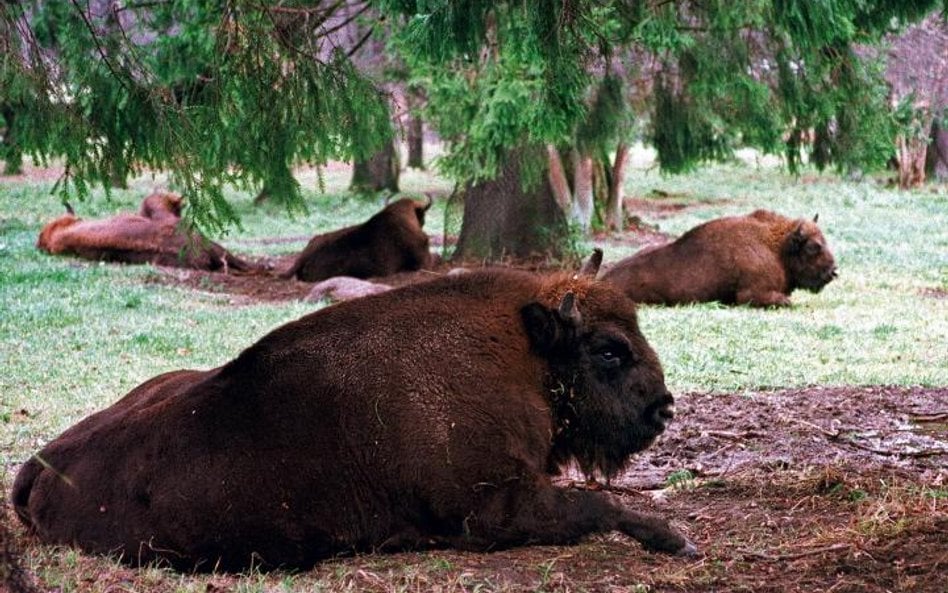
{"x": 757, "y": 259}
{"x": 391, "y": 241}
{"x": 429, "y": 415}
{"x": 155, "y": 235}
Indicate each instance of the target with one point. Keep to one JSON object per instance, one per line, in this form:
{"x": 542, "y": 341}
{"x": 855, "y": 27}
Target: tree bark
{"x": 416, "y": 130}
{"x": 9, "y": 151}
{"x": 582, "y": 189}
{"x": 379, "y": 173}
{"x": 559, "y": 184}
{"x": 911, "y": 156}
{"x": 502, "y": 219}
{"x": 936, "y": 164}
{"x": 614, "y": 214}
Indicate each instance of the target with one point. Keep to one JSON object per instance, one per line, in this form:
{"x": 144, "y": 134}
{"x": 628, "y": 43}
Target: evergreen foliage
{"x": 240, "y": 91}
{"x": 216, "y": 91}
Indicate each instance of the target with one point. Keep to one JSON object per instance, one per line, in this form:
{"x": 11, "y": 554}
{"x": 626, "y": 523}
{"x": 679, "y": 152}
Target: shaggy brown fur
{"x": 428, "y": 415}
{"x": 389, "y": 242}
{"x": 757, "y": 259}
{"x": 155, "y": 236}
{"x": 162, "y": 206}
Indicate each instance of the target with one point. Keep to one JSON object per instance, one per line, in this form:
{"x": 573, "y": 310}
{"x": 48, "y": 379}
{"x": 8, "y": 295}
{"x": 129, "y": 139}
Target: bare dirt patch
{"x": 821, "y": 489}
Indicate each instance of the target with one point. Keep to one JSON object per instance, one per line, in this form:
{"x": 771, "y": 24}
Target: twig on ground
{"x": 796, "y": 555}
{"x": 836, "y": 437}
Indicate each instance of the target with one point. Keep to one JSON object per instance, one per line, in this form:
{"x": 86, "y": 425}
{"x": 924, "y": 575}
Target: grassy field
{"x": 75, "y": 336}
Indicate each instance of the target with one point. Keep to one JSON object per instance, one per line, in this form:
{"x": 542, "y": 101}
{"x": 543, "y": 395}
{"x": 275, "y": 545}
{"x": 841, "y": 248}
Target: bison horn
{"x": 568, "y": 310}
{"x": 816, "y": 217}
{"x": 69, "y": 209}
{"x": 430, "y": 201}
{"x": 591, "y": 267}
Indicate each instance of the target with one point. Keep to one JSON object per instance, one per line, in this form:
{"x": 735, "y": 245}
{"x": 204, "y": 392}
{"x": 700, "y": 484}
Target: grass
{"x": 75, "y": 336}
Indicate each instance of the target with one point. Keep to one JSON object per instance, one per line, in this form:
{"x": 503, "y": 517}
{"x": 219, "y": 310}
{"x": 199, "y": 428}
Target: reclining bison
{"x": 430, "y": 415}
{"x": 757, "y": 259}
{"x": 155, "y": 235}
{"x": 391, "y": 241}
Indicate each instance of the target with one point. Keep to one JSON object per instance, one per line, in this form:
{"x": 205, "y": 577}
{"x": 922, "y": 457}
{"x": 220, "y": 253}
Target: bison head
{"x": 807, "y": 258}
{"x": 607, "y": 389}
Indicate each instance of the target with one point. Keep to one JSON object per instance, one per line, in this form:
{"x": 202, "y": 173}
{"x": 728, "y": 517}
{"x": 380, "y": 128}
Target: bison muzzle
{"x": 430, "y": 415}
{"x": 757, "y": 259}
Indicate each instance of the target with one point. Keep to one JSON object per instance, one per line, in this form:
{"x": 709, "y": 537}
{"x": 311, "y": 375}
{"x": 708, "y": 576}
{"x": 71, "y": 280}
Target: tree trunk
{"x": 9, "y": 151}
{"x": 379, "y": 173}
{"x": 582, "y": 189}
{"x": 614, "y": 215}
{"x": 416, "y": 131}
{"x": 502, "y": 219}
{"x": 559, "y": 184}
{"x": 936, "y": 164}
{"x": 911, "y": 155}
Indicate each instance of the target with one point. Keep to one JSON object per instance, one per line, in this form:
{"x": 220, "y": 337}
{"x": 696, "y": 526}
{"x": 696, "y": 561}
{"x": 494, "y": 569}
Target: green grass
{"x": 75, "y": 336}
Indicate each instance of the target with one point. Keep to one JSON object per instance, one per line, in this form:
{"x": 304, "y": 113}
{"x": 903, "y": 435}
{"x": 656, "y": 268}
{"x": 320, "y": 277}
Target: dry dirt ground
{"x": 818, "y": 489}
{"x": 841, "y": 489}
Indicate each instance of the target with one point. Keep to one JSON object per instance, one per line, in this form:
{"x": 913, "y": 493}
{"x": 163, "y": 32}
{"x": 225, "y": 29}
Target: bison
{"x": 428, "y": 416}
{"x": 155, "y": 235}
{"x": 757, "y": 259}
{"x": 390, "y": 241}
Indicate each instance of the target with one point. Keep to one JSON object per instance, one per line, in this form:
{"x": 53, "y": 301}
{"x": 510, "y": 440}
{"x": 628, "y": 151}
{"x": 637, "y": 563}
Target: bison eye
{"x": 611, "y": 354}
{"x": 812, "y": 248}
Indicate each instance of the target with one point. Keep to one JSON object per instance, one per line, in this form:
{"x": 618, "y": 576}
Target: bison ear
{"x": 551, "y": 329}
{"x": 420, "y": 210}
{"x": 591, "y": 267}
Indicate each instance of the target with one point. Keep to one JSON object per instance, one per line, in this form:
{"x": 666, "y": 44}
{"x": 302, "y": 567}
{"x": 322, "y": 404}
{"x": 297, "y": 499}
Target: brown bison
{"x": 155, "y": 235}
{"x": 757, "y": 259}
{"x": 430, "y": 415}
{"x": 389, "y": 242}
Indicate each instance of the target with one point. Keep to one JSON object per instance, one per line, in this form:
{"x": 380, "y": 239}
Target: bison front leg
{"x": 757, "y": 298}
{"x": 553, "y": 516}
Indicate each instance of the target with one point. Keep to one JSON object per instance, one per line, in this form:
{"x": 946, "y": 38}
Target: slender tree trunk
{"x": 559, "y": 184}
{"x": 614, "y": 214}
{"x": 416, "y": 130}
{"x": 582, "y": 189}
{"x": 502, "y": 219}
{"x": 9, "y": 151}
{"x": 936, "y": 164}
{"x": 379, "y": 173}
{"x": 911, "y": 155}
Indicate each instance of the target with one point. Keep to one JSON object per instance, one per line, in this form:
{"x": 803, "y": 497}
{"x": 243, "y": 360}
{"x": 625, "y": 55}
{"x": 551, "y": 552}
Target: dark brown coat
{"x": 155, "y": 235}
{"x": 391, "y": 241}
{"x": 425, "y": 416}
{"x": 757, "y": 259}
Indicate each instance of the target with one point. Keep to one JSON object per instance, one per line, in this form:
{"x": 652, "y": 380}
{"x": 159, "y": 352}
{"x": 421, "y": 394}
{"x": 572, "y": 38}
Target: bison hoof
{"x": 689, "y": 550}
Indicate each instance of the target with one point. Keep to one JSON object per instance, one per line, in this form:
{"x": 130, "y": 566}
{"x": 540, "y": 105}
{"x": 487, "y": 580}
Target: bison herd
{"x": 433, "y": 415}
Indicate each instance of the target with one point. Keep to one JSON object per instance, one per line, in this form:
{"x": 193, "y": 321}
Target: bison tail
{"x": 23, "y": 487}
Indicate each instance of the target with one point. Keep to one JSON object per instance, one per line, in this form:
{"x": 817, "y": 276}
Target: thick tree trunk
{"x": 379, "y": 173}
{"x": 614, "y": 214}
{"x": 501, "y": 219}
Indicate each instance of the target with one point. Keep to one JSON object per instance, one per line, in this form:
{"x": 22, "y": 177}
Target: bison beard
{"x": 424, "y": 416}
{"x": 757, "y": 259}
{"x": 391, "y": 241}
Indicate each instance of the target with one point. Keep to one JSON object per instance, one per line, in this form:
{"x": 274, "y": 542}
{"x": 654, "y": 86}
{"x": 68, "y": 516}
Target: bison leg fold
{"x": 552, "y": 516}
{"x": 755, "y": 298}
